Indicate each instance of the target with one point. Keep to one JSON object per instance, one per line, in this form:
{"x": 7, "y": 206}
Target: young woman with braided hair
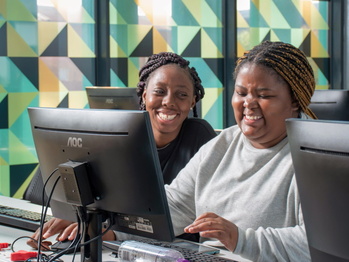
{"x": 168, "y": 89}
{"x": 240, "y": 187}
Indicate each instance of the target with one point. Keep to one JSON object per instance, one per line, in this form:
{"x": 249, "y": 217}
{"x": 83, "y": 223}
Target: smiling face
{"x": 169, "y": 96}
{"x": 261, "y": 102}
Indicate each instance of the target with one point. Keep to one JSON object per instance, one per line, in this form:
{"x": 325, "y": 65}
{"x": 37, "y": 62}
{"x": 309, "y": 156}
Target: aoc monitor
{"x": 320, "y": 153}
{"x": 106, "y": 162}
{"x": 331, "y": 104}
{"x": 112, "y": 97}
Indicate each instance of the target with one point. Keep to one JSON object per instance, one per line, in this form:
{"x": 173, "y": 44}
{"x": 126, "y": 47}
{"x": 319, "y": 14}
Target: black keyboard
{"x": 189, "y": 254}
{"x": 20, "y": 218}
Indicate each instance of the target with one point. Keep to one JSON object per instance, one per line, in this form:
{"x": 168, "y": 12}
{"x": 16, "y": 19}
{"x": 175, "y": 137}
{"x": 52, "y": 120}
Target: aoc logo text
{"x": 74, "y": 142}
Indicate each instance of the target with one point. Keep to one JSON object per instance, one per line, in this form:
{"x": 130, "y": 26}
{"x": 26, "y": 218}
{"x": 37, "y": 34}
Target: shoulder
{"x": 198, "y": 125}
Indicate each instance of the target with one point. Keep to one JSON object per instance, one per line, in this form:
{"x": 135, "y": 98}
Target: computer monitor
{"x": 320, "y": 153}
{"x": 112, "y": 97}
{"x": 331, "y": 104}
{"x": 107, "y": 162}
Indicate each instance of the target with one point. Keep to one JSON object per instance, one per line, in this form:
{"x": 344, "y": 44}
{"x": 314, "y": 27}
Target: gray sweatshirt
{"x": 253, "y": 188}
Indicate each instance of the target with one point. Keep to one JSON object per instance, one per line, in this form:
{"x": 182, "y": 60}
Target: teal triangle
{"x": 119, "y": 34}
{"x": 256, "y": 20}
{"x": 31, "y": 6}
{"x": 214, "y": 115}
{"x": 16, "y": 80}
{"x": 128, "y": 10}
{"x": 321, "y": 78}
{"x": 4, "y": 143}
{"x": 115, "y": 80}
{"x": 216, "y": 7}
{"x": 208, "y": 77}
{"x": 284, "y": 35}
{"x": 290, "y": 13}
{"x": 181, "y": 15}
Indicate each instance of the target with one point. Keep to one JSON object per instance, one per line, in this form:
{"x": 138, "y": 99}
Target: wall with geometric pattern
{"x": 305, "y": 24}
{"x": 47, "y": 55}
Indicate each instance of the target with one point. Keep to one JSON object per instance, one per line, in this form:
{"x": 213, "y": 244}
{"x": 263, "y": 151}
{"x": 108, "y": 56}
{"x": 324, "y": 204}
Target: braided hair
{"x": 291, "y": 65}
{"x": 157, "y": 60}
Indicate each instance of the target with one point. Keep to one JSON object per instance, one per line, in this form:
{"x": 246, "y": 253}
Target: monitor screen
{"x": 107, "y": 161}
{"x": 331, "y": 104}
{"x": 320, "y": 153}
{"x": 112, "y": 97}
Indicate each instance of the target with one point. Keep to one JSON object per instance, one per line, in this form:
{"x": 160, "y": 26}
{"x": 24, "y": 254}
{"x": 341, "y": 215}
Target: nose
{"x": 249, "y": 102}
{"x": 168, "y": 100}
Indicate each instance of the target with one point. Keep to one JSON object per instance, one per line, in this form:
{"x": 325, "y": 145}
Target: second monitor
{"x": 331, "y": 104}
{"x": 107, "y": 97}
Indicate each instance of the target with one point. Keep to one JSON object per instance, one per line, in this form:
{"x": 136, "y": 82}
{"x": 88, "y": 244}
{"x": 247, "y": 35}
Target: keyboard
{"x": 189, "y": 254}
{"x": 20, "y": 218}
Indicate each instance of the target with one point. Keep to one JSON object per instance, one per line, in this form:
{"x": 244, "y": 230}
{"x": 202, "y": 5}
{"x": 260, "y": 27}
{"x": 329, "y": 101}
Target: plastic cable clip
{"x": 4, "y": 245}
{"x": 23, "y": 255}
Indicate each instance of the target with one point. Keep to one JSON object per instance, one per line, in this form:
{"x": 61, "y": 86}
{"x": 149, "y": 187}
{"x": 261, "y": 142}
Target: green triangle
{"x": 16, "y": 45}
{"x": 185, "y": 36}
{"x": 19, "y": 152}
{"x": 115, "y": 17}
{"x": 18, "y": 102}
{"x": 16, "y": 11}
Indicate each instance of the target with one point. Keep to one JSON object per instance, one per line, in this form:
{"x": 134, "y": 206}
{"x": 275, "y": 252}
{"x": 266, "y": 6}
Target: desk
{"x": 9, "y": 234}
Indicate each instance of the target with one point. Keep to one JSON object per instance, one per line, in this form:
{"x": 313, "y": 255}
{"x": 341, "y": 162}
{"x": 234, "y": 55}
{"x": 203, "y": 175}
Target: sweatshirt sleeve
{"x": 274, "y": 244}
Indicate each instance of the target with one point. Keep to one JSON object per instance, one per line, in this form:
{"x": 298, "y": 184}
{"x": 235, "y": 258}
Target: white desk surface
{"x": 9, "y": 234}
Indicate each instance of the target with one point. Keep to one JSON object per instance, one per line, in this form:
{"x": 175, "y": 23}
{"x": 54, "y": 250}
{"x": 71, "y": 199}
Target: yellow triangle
{"x": 16, "y": 46}
{"x": 195, "y": 8}
{"x": 132, "y": 74}
{"x": 77, "y": 99}
{"x": 211, "y": 95}
{"x": 51, "y": 29}
{"x": 17, "y": 103}
{"x": 208, "y": 47}
{"x": 241, "y": 22}
{"x": 115, "y": 49}
{"x": 2, "y": 162}
{"x": 273, "y": 36}
{"x": 48, "y": 81}
{"x": 317, "y": 21}
{"x": 136, "y": 34}
{"x": 305, "y": 10}
{"x": 51, "y": 99}
{"x": 240, "y": 49}
{"x": 317, "y": 49}
{"x": 76, "y": 46}
{"x": 159, "y": 43}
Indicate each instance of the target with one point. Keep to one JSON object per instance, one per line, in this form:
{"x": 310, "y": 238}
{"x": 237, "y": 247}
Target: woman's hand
{"x": 65, "y": 230}
{"x": 210, "y": 225}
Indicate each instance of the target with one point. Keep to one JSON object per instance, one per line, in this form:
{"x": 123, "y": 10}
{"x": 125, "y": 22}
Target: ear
{"x": 193, "y": 103}
{"x": 144, "y": 95}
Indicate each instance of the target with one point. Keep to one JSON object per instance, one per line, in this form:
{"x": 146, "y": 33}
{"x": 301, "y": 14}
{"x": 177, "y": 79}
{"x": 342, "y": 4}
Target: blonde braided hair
{"x": 290, "y": 63}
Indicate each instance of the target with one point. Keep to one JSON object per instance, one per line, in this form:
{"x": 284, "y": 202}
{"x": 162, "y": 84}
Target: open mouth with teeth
{"x": 165, "y": 117}
{"x": 252, "y": 117}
